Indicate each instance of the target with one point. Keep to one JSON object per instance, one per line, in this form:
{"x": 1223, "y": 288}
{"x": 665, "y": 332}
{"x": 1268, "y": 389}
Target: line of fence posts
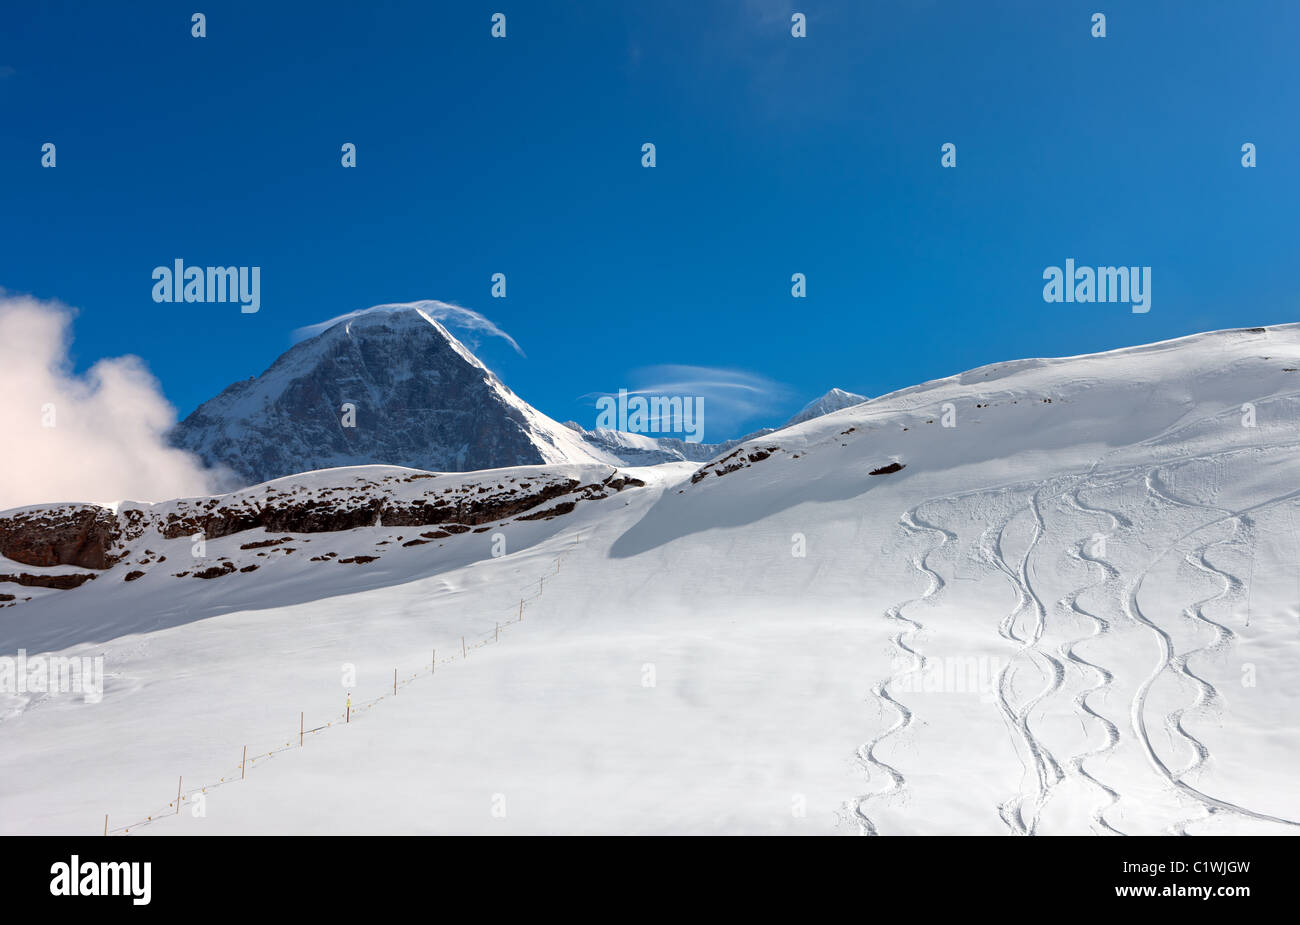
{"x": 302, "y": 720}
{"x": 302, "y": 715}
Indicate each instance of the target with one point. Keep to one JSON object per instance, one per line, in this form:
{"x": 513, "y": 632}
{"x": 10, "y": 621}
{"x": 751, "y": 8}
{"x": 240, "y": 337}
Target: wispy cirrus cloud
{"x": 445, "y": 313}
{"x": 732, "y": 397}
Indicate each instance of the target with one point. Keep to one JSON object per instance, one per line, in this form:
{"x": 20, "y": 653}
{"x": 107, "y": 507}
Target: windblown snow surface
{"x": 1072, "y": 612}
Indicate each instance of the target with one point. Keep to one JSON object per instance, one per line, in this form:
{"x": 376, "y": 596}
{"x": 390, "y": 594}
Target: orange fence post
{"x": 178, "y": 795}
{"x": 243, "y": 761}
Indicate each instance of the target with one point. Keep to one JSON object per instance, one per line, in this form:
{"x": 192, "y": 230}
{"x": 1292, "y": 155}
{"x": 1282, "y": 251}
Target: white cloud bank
{"x": 106, "y": 443}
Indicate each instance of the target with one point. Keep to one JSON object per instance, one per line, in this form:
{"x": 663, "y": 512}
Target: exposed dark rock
{"x": 216, "y": 571}
{"x": 61, "y": 582}
{"x": 94, "y": 537}
{"x": 564, "y": 507}
{"x": 261, "y": 544}
{"x": 66, "y": 534}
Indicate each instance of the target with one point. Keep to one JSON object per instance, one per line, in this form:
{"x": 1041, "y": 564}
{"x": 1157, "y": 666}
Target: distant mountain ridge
{"x": 834, "y": 400}
{"x": 635, "y": 449}
{"x": 393, "y": 386}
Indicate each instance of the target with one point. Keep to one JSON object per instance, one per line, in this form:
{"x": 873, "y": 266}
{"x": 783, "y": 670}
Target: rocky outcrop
{"x": 336, "y": 509}
{"x": 62, "y": 582}
{"x": 733, "y": 462}
{"x": 95, "y": 538}
{"x": 67, "y": 534}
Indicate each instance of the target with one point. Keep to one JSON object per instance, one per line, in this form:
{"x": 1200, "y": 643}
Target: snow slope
{"x": 1074, "y": 610}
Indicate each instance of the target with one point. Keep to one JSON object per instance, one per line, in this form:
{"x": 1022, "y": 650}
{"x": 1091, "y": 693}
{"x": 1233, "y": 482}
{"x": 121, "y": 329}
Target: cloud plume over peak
{"x": 445, "y": 313}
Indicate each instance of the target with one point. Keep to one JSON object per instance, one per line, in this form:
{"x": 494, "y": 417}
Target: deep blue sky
{"x": 775, "y": 155}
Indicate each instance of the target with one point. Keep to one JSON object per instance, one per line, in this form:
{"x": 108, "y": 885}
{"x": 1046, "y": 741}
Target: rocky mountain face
{"x": 392, "y": 386}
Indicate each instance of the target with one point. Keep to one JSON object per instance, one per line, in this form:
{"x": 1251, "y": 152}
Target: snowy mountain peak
{"x": 391, "y": 385}
{"x": 387, "y": 385}
{"x": 397, "y": 318}
{"x": 834, "y": 400}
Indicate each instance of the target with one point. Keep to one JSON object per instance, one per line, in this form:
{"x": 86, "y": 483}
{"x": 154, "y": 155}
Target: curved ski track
{"x": 866, "y": 752}
{"x": 1100, "y": 627}
{"x": 1047, "y": 772}
{"x": 1169, "y": 659}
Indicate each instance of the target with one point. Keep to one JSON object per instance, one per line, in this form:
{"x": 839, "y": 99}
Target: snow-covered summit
{"x": 389, "y": 385}
{"x": 834, "y": 400}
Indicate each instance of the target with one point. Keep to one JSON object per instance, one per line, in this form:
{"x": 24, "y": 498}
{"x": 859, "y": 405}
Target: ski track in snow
{"x": 1169, "y": 659}
{"x": 1206, "y": 695}
{"x": 1104, "y": 678}
{"x": 866, "y": 752}
{"x": 1026, "y": 623}
{"x": 1047, "y": 772}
